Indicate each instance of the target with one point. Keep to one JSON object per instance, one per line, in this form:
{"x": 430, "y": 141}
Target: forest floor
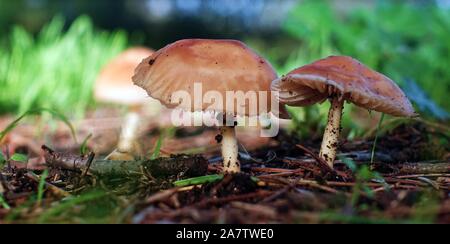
{"x": 282, "y": 180}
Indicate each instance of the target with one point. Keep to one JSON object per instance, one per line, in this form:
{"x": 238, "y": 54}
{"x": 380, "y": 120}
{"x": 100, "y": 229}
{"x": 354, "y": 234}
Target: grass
{"x": 84, "y": 148}
{"x": 363, "y": 174}
{"x": 42, "y": 179}
{"x": 2, "y": 159}
{"x": 3, "y": 203}
{"x": 400, "y": 40}
{"x": 372, "y": 156}
{"x": 18, "y": 157}
{"x": 157, "y": 150}
{"x": 38, "y": 111}
{"x": 198, "y": 180}
{"x": 56, "y": 68}
{"x": 65, "y": 206}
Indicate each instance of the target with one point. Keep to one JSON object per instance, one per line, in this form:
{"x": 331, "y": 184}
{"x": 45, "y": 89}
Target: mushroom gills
{"x": 293, "y": 94}
{"x": 305, "y": 99}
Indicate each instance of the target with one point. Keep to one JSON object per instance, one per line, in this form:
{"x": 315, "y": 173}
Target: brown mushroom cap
{"x": 346, "y": 77}
{"x": 114, "y": 83}
{"x": 219, "y": 65}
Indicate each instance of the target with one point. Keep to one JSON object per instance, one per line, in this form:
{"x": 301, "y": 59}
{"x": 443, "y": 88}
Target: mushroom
{"x": 114, "y": 85}
{"x": 341, "y": 78}
{"x": 219, "y": 66}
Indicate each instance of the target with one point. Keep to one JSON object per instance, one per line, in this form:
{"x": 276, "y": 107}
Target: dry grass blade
{"x": 256, "y": 208}
{"x": 162, "y": 195}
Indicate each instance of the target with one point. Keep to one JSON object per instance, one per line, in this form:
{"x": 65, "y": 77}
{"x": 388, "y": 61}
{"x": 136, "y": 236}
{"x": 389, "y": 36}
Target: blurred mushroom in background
{"x": 114, "y": 85}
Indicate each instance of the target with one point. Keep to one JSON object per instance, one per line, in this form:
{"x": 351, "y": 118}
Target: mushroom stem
{"x": 128, "y": 134}
{"x": 127, "y": 140}
{"x": 331, "y": 135}
{"x": 230, "y": 150}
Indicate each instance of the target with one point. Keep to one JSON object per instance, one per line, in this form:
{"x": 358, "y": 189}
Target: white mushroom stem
{"x": 230, "y": 150}
{"x": 128, "y": 134}
{"x": 330, "y": 139}
{"x": 128, "y": 147}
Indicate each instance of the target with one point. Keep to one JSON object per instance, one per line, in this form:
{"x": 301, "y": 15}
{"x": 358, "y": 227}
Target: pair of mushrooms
{"x": 229, "y": 65}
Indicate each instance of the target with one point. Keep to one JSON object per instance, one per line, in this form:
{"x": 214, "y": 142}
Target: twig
{"x": 351, "y": 184}
{"x": 215, "y": 201}
{"x": 422, "y": 175}
{"x": 424, "y": 168}
{"x": 66, "y": 161}
{"x": 47, "y": 185}
{"x": 189, "y": 166}
{"x": 322, "y": 164}
{"x": 277, "y": 194}
{"x": 430, "y": 182}
{"x": 284, "y": 174}
{"x": 89, "y": 163}
{"x": 314, "y": 184}
{"x": 272, "y": 170}
{"x": 404, "y": 181}
{"x": 162, "y": 195}
{"x": 256, "y": 208}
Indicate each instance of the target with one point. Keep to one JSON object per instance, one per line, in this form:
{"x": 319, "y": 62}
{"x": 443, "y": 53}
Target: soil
{"x": 409, "y": 181}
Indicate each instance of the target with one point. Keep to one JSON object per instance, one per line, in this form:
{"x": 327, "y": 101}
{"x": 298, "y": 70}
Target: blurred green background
{"x": 51, "y": 50}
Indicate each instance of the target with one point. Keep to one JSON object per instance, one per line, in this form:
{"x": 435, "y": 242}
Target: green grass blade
{"x": 41, "y": 186}
{"x": 39, "y": 111}
{"x": 2, "y": 159}
{"x": 157, "y": 150}
{"x": 18, "y": 157}
{"x": 203, "y": 180}
{"x": 3, "y": 202}
{"x": 69, "y": 203}
{"x": 83, "y": 147}
{"x": 198, "y": 180}
{"x": 372, "y": 157}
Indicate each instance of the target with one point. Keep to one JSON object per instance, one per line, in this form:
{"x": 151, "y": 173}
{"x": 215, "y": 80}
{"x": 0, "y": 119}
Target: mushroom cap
{"x": 346, "y": 77}
{"x": 218, "y": 65}
{"x": 114, "y": 82}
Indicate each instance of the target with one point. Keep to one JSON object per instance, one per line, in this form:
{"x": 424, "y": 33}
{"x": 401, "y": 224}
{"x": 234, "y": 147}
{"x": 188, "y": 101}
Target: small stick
{"x": 321, "y": 162}
{"x": 256, "y": 208}
{"x": 89, "y": 163}
{"x": 425, "y": 168}
{"x": 422, "y": 175}
{"x": 214, "y": 201}
{"x": 272, "y": 170}
{"x": 162, "y": 195}
{"x": 49, "y": 186}
{"x": 314, "y": 184}
{"x": 190, "y": 166}
{"x": 405, "y": 181}
{"x": 277, "y": 194}
{"x": 279, "y": 174}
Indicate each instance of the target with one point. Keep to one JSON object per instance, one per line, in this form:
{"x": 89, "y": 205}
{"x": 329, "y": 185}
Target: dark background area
{"x": 159, "y": 21}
